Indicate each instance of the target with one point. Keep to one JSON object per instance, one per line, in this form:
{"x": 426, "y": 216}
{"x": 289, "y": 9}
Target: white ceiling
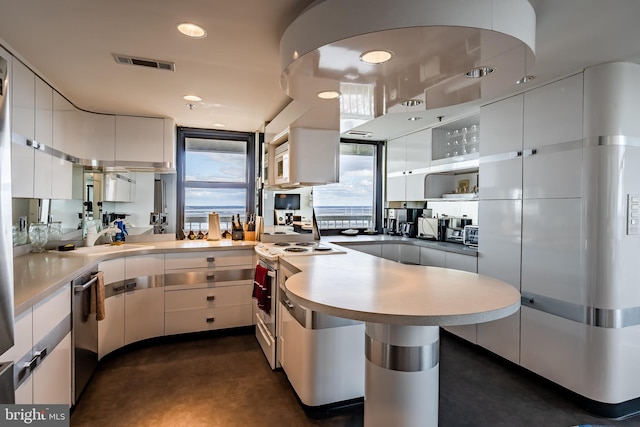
{"x": 236, "y": 68}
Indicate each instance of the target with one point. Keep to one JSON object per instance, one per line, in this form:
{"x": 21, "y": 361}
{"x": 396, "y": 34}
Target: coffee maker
{"x": 402, "y": 221}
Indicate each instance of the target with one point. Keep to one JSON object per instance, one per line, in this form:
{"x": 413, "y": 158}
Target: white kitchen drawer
{"x": 432, "y": 257}
{"x": 209, "y": 259}
{"x": 207, "y": 319}
{"x": 48, "y": 313}
{"x": 209, "y": 278}
{"x": 207, "y": 297}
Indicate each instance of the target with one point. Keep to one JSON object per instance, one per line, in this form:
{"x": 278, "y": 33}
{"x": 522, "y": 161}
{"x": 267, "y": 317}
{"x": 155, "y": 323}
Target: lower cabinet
{"x": 406, "y": 254}
{"x": 134, "y": 301}
{"x": 371, "y": 249}
{"x": 208, "y": 290}
{"x": 43, "y": 341}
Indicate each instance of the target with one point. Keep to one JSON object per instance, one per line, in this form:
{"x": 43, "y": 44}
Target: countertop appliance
{"x": 6, "y": 251}
{"x": 85, "y": 334}
{"x": 428, "y": 228}
{"x": 395, "y": 218}
{"x": 454, "y": 234}
{"x": 470, "y": 235}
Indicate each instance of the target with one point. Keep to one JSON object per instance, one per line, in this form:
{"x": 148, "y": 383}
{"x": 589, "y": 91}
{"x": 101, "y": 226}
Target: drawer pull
{"x": 211, "y": 297}
{"x": 31, "y": 364}
{"x": 211, "y": 277}
{"x": 211, "y": 259}
{"x": 210, "y": 319}
{"x": 131, "y": 285}
{"x": 41, "y": 354}
{"x": 118, "y": 289}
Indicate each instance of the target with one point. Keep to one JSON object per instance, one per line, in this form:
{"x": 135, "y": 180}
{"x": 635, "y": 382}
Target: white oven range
{"x": 321, "y": 354}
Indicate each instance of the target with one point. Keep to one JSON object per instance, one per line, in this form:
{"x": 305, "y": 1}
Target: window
{"x": 215, "y": 174}
{"x": 355, "y": 201}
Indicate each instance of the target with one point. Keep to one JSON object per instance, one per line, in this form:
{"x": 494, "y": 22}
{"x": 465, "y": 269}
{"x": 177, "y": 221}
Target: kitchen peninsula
{"x": 403, "y": 305}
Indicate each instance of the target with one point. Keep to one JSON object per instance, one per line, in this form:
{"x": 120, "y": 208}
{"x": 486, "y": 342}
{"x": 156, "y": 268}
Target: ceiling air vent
{"x": 360, "y": 133}
{"x": 143, "y": 62}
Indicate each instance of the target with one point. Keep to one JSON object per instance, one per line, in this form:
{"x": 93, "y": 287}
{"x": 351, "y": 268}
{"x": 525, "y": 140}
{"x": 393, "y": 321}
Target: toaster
{"x": 470, "y": 235}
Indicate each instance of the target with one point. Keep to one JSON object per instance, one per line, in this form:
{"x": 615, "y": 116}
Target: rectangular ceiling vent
{"x": 360, "y": 133}
{"x": 143, "y": 62}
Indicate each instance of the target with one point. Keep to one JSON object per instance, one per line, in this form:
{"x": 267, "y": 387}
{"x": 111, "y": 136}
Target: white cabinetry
{"x": 371, "y": 249}
{"x": 135, "y": 301}
{"x": 408, "y": 160}
{"x": 208, "y": 290}
{"x": 43, "y": 124}
{"x": 432, "y": 257}
{"x": 398, "y": 252}
{"x": 119, "y": 187}
{"x": 139, "y": 139}
{"x": 66, "y": 127}
{"x": 531, "y": 180}
{"x": 98, "y": 134}
{"x": 43, "y": 338}
{"x": 23, "y": 100}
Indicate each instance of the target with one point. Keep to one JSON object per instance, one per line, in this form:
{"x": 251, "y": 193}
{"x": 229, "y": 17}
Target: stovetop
{"x": 285, "y": 249}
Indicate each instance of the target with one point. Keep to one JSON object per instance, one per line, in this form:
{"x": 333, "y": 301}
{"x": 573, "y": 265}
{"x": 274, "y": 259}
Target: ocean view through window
{"x": 215, "y": 175}
{"x": 349, "y": 203}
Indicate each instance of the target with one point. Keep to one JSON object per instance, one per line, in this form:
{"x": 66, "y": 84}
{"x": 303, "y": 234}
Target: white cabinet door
{"x": 396, "y": 157}
{"x": 170, "y": 142}
{"x": 461, "y": 262}
{"x": 501, "y": 149}
{"x": 432, "y": 257}
{"x": 143, "y": 314}
{"x": 396, "y": 186}
{"x": 553, "y": 250}
{"x": 22, "y": 170}
{"x": 52, "y": 378}
{"x": 407, "y": 254}
{"x": 61, "y": 179}
{"x": 42, "y": 175}
{"x": 418, "y": 150}
{"x": 139, "y": 139}
{"x": 414, "y": 186}
{"x": 553, "y": 140}
{"x": 144, "y": 265}
{"x": 111, "y": 329}
{"x": 99, "y": 136}
{"x": 23, "y": 100}
{"x": 499, "y": 253}
{"x": 24, "y": 393}
{"x": 112, "y": 270}
{"x": 66, "y": 125}
{"x": 43, "y": 113}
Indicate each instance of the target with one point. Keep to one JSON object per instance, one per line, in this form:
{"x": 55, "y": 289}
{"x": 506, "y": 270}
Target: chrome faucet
{"x": 92, "y": 236}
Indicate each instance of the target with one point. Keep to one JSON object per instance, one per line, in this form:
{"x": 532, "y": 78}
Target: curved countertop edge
{"x": 367, "y": 239}
{"x": 301, "y": 289}
{"x": 38, "y": 275}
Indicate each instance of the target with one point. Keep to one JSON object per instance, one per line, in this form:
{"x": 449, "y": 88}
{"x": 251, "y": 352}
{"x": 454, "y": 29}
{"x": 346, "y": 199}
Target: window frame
{"x": 378, "y": 185}
{"x": 181, "y": 154}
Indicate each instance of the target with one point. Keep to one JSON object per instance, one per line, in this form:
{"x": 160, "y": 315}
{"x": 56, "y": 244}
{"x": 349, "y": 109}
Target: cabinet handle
{"x": 118, "y": 289}
{"x": 515, "y": 154}
{"x": 530, "y": 152}
{"x": 211, "y": 259}
{"x": 404, "y": 173}
{"x": 410, "y": 172}
{"x": 40, "y": 354}
{"x": 211, "y": 297}
{"x": 211, "y": 277}
{"x": 31, "y": 364}
{"x": 131, "y": 285}
{"x": 210, "y": 319}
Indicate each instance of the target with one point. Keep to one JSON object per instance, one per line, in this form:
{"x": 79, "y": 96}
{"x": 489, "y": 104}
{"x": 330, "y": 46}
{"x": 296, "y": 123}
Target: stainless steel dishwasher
{"x": 85, "y": 333}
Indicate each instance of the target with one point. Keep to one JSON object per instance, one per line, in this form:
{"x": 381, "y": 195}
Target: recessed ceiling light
{"x": 411, "y": 102}
{"x": 329, "y": 94}
{"x": 478, "y": 72}
{"x": 219, "y": 125}
{"x": 413, "y": 119}
{"x": 525, "y": 79}
{"x": 376, "y": 56}
{"x": 193, "y": 98}
{"x": 192, "y": 30}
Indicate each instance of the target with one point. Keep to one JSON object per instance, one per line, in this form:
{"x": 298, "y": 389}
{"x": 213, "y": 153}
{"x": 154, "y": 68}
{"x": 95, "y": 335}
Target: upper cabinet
{"x": 139, "y": 139}
{"x": 98, "y": 133}
{"x": 457, "y": 143}
{"x": 66, "y": 125}
{"x": 408, "y": 161}
{"x": 23, "y": 101}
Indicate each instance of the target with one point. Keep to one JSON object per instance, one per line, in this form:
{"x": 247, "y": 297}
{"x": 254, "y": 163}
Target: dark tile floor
{"x": 224, "y": 380}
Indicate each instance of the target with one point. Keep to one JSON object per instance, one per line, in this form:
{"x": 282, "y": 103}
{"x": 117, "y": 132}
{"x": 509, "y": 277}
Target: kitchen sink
{"x": 104, "y": 249}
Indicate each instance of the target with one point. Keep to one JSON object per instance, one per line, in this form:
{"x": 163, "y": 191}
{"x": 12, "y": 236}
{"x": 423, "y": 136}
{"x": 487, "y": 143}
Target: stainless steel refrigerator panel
{"x": 6, "y": 244}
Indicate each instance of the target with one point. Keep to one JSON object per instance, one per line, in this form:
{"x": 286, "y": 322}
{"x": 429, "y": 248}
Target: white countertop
{"x": 367, "y": 288}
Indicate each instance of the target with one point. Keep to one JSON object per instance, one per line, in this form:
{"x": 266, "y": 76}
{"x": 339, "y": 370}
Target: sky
{"x": 354, "y": 189}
